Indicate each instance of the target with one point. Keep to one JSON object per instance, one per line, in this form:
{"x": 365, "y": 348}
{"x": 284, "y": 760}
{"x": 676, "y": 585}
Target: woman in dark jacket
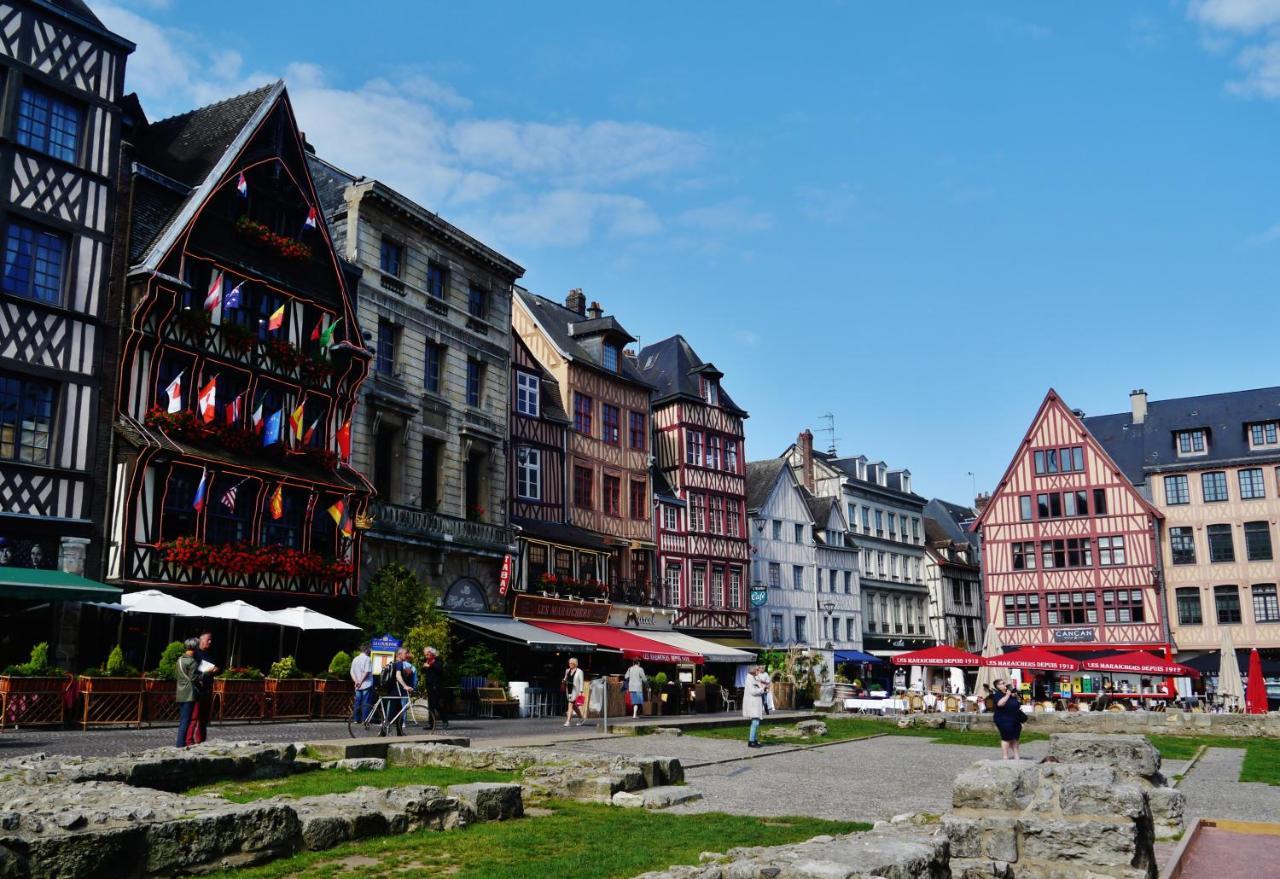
{"x": 1009, "y": 718}
{"x": 187, "y": 679}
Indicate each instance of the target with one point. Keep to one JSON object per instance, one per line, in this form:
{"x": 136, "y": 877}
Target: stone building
{"x": 784, "y": 556}
{"x": 431, "y": 431}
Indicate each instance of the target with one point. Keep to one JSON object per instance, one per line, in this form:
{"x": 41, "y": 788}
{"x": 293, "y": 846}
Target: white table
{"x": 875, "y": 706}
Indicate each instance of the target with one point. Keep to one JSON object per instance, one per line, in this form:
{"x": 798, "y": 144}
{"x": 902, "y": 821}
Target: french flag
{"x": 201, "y": 489}
{"x": 242, "y": 186}
{"x": 257, "y": 419}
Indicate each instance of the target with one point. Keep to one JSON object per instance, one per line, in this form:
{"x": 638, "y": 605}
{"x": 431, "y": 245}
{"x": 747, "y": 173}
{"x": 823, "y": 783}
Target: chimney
{"x": 1138, "y": 400}
{"x": 981, "y": 501}
{"x": 575, "y": 301}
{"x": 805, "y": 442}
{"x": 595, "y": 311}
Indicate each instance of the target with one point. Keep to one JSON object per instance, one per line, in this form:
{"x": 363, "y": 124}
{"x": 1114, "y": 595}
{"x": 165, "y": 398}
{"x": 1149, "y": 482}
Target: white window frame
{"x": 529, "y": 473}
{"x": 527, "y": 390}
{"x": 697, "y": 585}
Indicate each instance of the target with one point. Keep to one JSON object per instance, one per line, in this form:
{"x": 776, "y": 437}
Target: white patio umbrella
{"x": 990, "y": 651}
{"x": 304, "y": 619}
{"x": 1230, "y": 685}
{"x": 238, "y": 612}
{"x": 157, "y": 602}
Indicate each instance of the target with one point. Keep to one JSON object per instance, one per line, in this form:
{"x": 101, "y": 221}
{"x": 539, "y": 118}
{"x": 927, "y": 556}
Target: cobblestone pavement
{"x": 1213, "y": 789}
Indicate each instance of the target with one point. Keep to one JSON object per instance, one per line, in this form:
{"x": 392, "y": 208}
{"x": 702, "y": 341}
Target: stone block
{"x": 1168, "y": 806}
{"x": 812, "y": 727}
{"x": 1129, "y": 754}
{"x": 627, "y": 800}
{"x": 254, "y": 832}
{"x": 964, "y": 836}
{"x": 996, "y": 784}
{"x": 969, "y": 868}
{"x": 670, "y": 795}
{"x": 490, "y": 802}
{"x": 667, "y": 731}
{"x": 358, "y": 764}
{"x": 1083, "y": 843}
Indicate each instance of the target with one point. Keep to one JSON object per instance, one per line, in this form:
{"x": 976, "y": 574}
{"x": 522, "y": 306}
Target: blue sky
{"x": 917, "y": 218}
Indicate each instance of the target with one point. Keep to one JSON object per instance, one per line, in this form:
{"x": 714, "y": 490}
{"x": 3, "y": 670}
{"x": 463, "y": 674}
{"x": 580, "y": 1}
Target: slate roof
{"x": 559, "y": 323}
{"x": 819, "y": 507}
{"x": 849, "y": 468}
{"x": 331, "y": 183}
{"x": 1139, "y": 449}
{"x": 761, "y": 476}
{"x": 954, "y": 518}
{"x": 936, "y": 533}
{"x": 673, "y": 367}
{"x": 662, "y": 487}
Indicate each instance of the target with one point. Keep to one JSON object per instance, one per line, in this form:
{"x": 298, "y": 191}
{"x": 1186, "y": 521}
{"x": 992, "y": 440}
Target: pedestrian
{"x": 763, "y": 674}
{"x": 186, "y": 676}
{"x": 198, "y": 730}
{"x": 574, "y": 693}
{"x": 635, "y": 679}
{"x": 406, "y": 679}
{"x": 1009, "y": 718}
{"x": 433, "y": 682}
{"x": 754, "y": 695}
{"x": 362, "y": 678}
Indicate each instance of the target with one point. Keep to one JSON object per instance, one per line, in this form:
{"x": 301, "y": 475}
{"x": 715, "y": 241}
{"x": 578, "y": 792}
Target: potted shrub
{"x": 31, "y": 692}
{"x": 288, "y": 689}
{"x": 111, "y": 694}
{"x": 160, "y": 686}
{"x": 707, "y": 694}
{"x": 657, "y": 693}
{"x": 239, "y": 694}
{"x": 334, "y": 689}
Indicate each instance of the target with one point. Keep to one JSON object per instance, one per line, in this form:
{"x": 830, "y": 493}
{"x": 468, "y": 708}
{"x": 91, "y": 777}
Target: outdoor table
{"x": 875, "y": 706}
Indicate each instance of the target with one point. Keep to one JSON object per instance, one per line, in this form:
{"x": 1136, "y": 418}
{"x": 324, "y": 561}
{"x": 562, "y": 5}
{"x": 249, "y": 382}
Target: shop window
{"x": 178, "y": 517}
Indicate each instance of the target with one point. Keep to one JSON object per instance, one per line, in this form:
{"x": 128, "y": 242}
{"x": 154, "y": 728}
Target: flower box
{"x": 263, "y": 235}
{"x": 160, "y": 701}
{"x": 289, "y": 698}
{"x": 33, "y": 701}
{"x": 332, "y": 698}
{"x": 236, "y": 699}
{"x": 110, "y": 701}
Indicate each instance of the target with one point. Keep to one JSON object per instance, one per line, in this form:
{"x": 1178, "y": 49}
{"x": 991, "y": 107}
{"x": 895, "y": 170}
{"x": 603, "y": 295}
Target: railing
{"x": 148, "y": 564}
{"x": 639, "y": 592}
{"x": 437, "y": 526}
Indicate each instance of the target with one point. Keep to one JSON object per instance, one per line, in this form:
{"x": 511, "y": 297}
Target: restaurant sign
{"x": 466, "y": 596}
{"x": 631, "y": 616}
{"x": 759, "y": 596}
{"x": 538, "y": 607}
{"x": 1074, "y": 636}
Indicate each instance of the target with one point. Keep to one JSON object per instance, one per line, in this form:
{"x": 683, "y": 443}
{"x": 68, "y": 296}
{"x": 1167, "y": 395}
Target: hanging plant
{"x": 261, "y": 234}
{"x": 316, "y": 369}
{"x": 284, "y": 353}
{"x": 194, "y": 321}
{"x": 322, "y": 458}
{"x": 183, "y": 424}
{"x": 252, "y": 560}
{"x": 239, "y": 338}
{"x": 236, "y": 439}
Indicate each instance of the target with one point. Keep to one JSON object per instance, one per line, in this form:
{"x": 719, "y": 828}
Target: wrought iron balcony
{"x": 439, "y": 528}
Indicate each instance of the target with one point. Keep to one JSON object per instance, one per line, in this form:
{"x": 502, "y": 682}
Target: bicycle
{"x": 387, "y": 712}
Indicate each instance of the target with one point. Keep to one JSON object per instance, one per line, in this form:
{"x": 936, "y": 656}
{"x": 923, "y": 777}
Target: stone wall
{"x": 1170, "y": 723}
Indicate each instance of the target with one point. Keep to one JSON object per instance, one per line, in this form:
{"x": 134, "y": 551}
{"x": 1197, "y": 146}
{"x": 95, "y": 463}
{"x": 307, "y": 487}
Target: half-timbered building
{"x": 698, "y": 446}
{"x": 607, "y": 456}
{"x": 1069, "y": 545}
{"x": 61, "y": 76}
{"x": 953, "y": 575}
{"x": 241, "y": 357}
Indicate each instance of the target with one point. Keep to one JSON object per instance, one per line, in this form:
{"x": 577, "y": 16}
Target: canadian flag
{"x": 207, "y": 401}
{"x": 174, "y": 390}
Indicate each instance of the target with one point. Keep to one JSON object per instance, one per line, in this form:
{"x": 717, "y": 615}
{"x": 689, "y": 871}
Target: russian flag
{"x": 207, "y": 401}
{"x": 310, "y": 433}
{"x": 233, "y": 298}
{"x": 198, "y": 503}
{"x": 242, "y": 186}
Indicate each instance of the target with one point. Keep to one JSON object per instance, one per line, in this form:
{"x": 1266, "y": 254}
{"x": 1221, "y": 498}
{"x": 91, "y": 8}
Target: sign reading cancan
{"x": 1074, "y": 636}
{"x": 538, "y": 607}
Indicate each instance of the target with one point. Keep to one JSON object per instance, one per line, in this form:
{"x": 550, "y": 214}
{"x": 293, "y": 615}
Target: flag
{"x": 315, "y": 331}
{"x": 311, "y": 432}
{"x": 342, "y": 517}
{"x": 235, "y": 409}
{"x": 277, "y": 502}
{"x": 229, "y": 498}
{"x": 207, "y": 401}
{"x": 344, "y": 440}
{"x": 233, "y": 298}
{"x": 271, "y": 433}
{"x": 276, "y": 321}
{"x": 242, "y": 186}
{"x": 174, "y": 390}
{"x": 326, "y": 338}
{"x": 198, "y": 503}
{"x": 213, "y": 298}
{"x": 310, "y": 221}
{"x": 257, "y": 418}
{"x": 295, "y": 421}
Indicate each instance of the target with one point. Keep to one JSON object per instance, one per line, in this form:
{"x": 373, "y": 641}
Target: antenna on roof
{"x": 830, "y": 431}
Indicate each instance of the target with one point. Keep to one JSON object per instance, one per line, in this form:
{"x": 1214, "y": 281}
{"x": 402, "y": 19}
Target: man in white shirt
{"x": 635, "y": 678}
{"x": 362, "y": 677}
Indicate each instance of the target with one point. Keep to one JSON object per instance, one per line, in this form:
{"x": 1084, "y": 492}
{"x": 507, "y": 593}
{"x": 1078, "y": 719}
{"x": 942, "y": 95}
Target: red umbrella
{"x": 940, "y": 655}
{"x": 1035, "y": 659}
{"x": 1140, "y": 662}
{"x": 1255, "y": 698}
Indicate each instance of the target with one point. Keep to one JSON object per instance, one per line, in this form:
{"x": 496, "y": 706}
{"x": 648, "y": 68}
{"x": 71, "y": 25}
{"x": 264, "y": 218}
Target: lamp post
{"x": 827, "y": 608}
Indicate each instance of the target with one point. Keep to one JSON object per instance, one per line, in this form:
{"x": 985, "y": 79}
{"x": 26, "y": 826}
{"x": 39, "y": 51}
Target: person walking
{"x": 1008, "y": 718}
{"x": 754, "y": 694}
{"x": 362, "y": 678}
{"x": 635, "y": 678}
{"x": 186, "y": 677}
{"x": 763, "y": 674}
{"x": 198, "y": 730}
{"x": 433, "y": 682}
{"x": 574, "y": 693}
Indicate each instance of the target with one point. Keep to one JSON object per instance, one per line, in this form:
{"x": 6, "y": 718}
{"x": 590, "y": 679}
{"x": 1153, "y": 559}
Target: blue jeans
{"x": 184, "y": 721}
{"x": 363, "y": 704}
{"x": 755, "y": 729}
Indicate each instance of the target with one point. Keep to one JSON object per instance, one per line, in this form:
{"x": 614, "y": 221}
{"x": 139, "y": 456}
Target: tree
{"x": 391, "y": 603}
{"x": 431, "y": 630}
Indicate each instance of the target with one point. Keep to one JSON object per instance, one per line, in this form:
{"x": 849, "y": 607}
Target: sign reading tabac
{"x": 537, "y": 607}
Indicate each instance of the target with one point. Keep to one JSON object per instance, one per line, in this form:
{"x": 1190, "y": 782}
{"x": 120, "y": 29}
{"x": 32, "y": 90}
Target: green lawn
{"x": 844, "y": 728}
{"x": 576, "y": 841}
{"x": 1261, "y": 759}
{"x": 336, "y": 781}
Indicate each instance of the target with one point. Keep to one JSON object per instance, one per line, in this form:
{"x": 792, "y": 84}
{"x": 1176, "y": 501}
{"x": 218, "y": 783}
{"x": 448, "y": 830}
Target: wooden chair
{"x": 952, "y": 704}
{"x": 494, "y": 699}
{"x": 915, "y": 702}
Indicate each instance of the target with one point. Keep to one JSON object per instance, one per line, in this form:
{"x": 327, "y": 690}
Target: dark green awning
{"x": 41, "y": 585}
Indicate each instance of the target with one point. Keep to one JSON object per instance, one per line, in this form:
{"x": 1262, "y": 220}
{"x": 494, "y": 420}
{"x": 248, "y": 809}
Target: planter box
{"x": 110, "y": 701}
{"x": 32, "y": 701}
{"x": 239, "y": 700}
{"x": 784, "y": 695}
{"x": 332, "y": 698}
{"x": 289, "y": 698}
{"x": 158, "y": 701}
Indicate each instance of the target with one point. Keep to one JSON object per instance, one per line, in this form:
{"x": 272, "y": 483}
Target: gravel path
{"x": 1214, "y": 790}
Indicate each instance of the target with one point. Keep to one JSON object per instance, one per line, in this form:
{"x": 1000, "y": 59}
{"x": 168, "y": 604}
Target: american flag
{"x": 229, "y": 499}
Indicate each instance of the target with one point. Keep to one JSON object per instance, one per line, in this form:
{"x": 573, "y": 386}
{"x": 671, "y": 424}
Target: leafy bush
{"x": 37, "y": 667}
{"x": 431, "y": 630}
{"x": 340, "y": 665}
{"x": 284, "y": 669}
{"x": 168, "y": 666}
{"x": 658, "y": 681}
{"x": 241, "y": 673}
{"x": 392, "y": 602}
{"x": 480, "y": 661}
{"x": 709, "y": 680}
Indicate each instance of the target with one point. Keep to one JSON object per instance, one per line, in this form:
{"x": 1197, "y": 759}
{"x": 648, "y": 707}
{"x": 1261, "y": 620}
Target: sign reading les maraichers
{"x": 1074, "y": 636}
{"x": 537, "y": 607}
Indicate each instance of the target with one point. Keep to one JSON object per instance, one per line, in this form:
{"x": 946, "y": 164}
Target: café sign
{"x": 759, "y": 597}
{"x": 1074, "y": 636}
{"x": 539, "y": 607}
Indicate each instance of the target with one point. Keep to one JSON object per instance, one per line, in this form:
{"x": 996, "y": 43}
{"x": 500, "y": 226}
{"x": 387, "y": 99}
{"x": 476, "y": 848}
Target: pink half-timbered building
{"x": 1069, "y": 545}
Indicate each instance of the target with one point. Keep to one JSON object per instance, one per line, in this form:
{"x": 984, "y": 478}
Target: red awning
{"x": 943, "y": 654}
{"x": 632, "y": 645}
{"x": 1034, "y": 659}
{"x": 1139, "y": 662}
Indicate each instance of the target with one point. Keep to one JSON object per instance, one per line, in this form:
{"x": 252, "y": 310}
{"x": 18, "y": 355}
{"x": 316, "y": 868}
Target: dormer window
{"x": 610, "y": 357}
{"x": 1263, "y": 435}
{"x": 1192, "y": 442}
{"x": 711, "y": 392}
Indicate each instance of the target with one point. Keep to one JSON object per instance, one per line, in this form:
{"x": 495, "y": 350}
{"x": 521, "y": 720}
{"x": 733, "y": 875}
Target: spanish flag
{"x": 276, "y": 321}
{"x": 295, "y": 421}
{"x": 277, "y": 502}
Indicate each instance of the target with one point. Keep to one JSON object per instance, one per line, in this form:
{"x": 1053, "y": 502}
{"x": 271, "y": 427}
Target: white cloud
{"x": 1264, "y": 238}
{"x": 1257, "y": 24}
{"x": 569, "y": 218}
{"x": 1245, "y": 16}
{"x": 735, "y": 215}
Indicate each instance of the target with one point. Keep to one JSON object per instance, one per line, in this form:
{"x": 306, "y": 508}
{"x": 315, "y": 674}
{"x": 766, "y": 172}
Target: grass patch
{"x": 841, "y": 729}
{"x": 1261, "y": 759}
{"x": 576, "y": 841}
{"x": 337, "y": 781}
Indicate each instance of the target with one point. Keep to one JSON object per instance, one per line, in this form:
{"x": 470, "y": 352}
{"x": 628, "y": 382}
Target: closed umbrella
{"x": 1230, "y": 686}
{"x": 238, "y": 612}
{"x": 988, "y": 672}
{"x": 1256, "y": 696}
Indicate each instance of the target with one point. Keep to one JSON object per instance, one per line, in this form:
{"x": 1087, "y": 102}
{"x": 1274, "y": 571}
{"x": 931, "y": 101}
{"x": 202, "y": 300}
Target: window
{"x": 731, "y": 458}
{"x": 848, "y": 582}
{"x": 1251, "y": 485}
{"x": 527, "y": 387}
{"x": 893, "y": 525}
{"x": 1257, "y": 541}
{"x": 799, "y": 533}
{"x": 697, "y": 512}
{"x": 735, "y": 587}
{"x": 880, "y": 563}
{"x": 880, "y": 523}
{"x": 49, "y": 124}
{"x": 582, "y": 413}
{"x": 610, "y": 423}
{"x": 1263, "y": 434}
{"x": 529, "y": 473}
{"x": 432, "y": 457}
{"x": 915, "y": 529}
{"x": 26, "y": 419}
{"x": 1182, "y": 545}
{"x": 1021, "y": 610}
{"x": 1075, "y": 552}
{"x": 797, "y": 577}
{"x": 777, "y": 530}
{"x": 582, "y": 479}
{"x": 775, "y": 575}
{"x": 287, "y": 530}
{"x": 475, "y": 381}
{"x": 1024, "y": 507}
{"x": 848, "y": 629}
{"x": 477, "y": 302}
{"x": 1214, "y": 486}
{"x": 1099, "y": 501}
{"x": 437, "y": 279}
{"x": 1080, "y": 552}
{"x": 775, "y": 628}
{"x": 636, "y": 430}
{"x": 1176, "y": 490}
{"x": 1226, "y": 603}
{"x": 698, "y": 585}
{"x": 230, "y": 513}
{"x": 1122, "y": 606}
{"x": 432, "y": 361}
{"x": 639, "y": 500}
{"x": 710, "y": 392}
{"x": 802, "y": 633}
{"x": 34, "y": 263}
{"x": 1111, "y": 550}
{"x": 670, "y": 517}
{"x": 866, "y": 520}
{"x": 392, "y": 257}
{"x": 1049, "y": 506}
{"x": 612, "y": 495}
{"x": 1068, "y": 460}
{"x": 733, "y": 517}
{"x": 385, "y": 356}
{"x": 1188, "y": 598}
{"x": 1265, "y": 606}
{"x": 1075, "y": 503}
{"x": 1221, "y": 547}
{"x": 609, "y": 357}
{"x": 177, "y": 516}
{"x": 1191, "y": 442}
{"x": 713, "y": 451}
{"x": 1071, "y": 608}
{"x": 693, "y": 447}
{"x": 1024, "y": 556}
